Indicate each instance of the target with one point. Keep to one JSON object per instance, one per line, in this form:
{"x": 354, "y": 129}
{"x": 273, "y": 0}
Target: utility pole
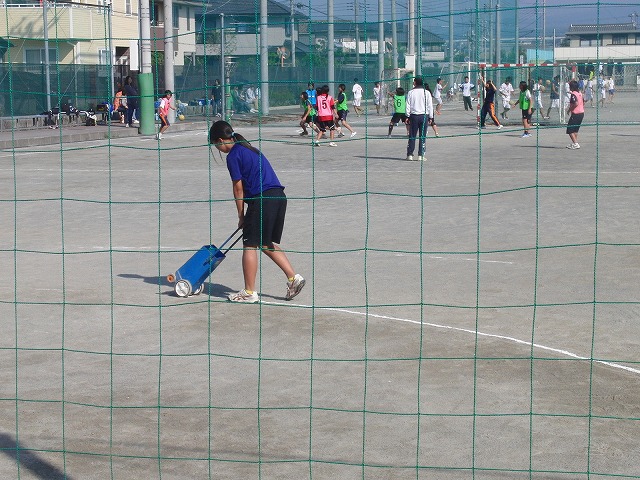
{"x": 451, "y": 40}
{"x": 264, "y": 58}
{"x": 145, "y": 78}
{"x": 330, "y": 44}
{"x": 355, "y": 16}
{"x": 380, "y": 38}
{"x": 517, "y": 34}
{"x": 489, "y": 31}
{"x": 45, "y": 34}
{"x": 293, "y": 37}
{"x": 223, "y": 76}
{"x": 419, "y": 45}
{"x": 498, "y": 33}
{"x": 169, "y": 77}
{"x": 394, "y": 36}
{"x": 544, "y": 24}
{"x": 411, "y": 33}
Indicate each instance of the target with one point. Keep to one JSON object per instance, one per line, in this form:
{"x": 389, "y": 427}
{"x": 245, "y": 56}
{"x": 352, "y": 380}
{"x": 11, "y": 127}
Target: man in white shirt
{"x": 466, "y": 88}
{"x": 506, "y": 89}
{"x": 437, "y": 95}
{"x": 419, "y": 111}
{"x": 357, "y": 97}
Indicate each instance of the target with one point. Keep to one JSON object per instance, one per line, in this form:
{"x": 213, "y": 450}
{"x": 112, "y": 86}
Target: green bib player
{"x": 399, "y": 109}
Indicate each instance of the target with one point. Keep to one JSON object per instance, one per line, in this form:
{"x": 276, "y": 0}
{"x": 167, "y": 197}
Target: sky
{"x": 559, "y": 14}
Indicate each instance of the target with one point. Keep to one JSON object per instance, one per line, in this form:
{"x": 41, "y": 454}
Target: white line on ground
{"x": 527, "y": 343}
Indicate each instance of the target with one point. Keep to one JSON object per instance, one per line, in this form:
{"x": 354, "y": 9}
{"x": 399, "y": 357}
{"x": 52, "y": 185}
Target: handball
{"x": 181, "y": 117}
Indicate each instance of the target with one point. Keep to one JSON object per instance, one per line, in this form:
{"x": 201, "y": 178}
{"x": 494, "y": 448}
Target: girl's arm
{"x": 238, "y": 194}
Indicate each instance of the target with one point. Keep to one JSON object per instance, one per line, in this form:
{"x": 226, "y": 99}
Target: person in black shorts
{"x": 399, "y": 110}
{"x": 255, "y": 185}
{"x": 576, "y": 109}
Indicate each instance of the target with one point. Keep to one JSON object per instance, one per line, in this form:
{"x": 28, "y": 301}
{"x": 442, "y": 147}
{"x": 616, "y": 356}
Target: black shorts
{"x": 264, "y": 219}
{"x": 573, "y": 125}
{"x": 325, "y": 125}
{"x": 342, "y": 114}
{"x": 164, "y": 121}
{"x": 399, "y": 117}
{"x": 526, "y": 114}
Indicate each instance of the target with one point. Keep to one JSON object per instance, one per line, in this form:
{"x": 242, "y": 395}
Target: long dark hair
{"x": 224, "y": 130}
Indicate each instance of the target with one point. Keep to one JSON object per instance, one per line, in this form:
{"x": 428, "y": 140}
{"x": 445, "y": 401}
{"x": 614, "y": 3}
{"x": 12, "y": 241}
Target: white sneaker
{"x": 294, "y": 287}
{"x": 243, "y": 297}
{"x": 159, "y": 136}
{"x": 420, "y": 158}
{"x": 353, "y": 134}
{"x": 499, "y": 127}
{"x": 409, "y": 158}
{"x": 576, "y": 146}
{"x": 333, "y": 144}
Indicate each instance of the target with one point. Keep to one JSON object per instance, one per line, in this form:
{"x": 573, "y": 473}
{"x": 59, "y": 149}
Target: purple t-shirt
{"x": 254, "y": 170}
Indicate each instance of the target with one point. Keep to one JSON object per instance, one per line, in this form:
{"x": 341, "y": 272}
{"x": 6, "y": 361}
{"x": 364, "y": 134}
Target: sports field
{"x": 474, "y": 316}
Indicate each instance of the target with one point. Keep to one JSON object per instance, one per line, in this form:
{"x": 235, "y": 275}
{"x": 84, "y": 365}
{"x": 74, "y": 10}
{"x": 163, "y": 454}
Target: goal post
{"x": 555, "y": 77}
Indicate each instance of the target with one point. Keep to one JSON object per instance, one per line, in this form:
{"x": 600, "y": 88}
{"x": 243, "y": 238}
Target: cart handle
{"x": 227, "y": 241}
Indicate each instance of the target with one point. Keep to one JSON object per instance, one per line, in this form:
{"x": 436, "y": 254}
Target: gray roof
{"x": 602, "y": 28}
{"x": 244, "y": 8}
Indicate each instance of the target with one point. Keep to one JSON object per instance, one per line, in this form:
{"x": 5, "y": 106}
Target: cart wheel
{"x": 198, "y": 290}
{"x": 183, "y": 288}
{"x": 171, "y": 278}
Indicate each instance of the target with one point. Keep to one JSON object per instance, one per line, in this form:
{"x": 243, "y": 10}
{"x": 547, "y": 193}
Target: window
{"x": 188, "y": 19}
{"x": 34, "y": 57}
{"x": 619, "y": 39}
{"x": 38, "y": 56}
{"x": 103, "y": 56}
{"x": 127, "y": 7}
{"x": 590, "y": 42}
{"x": 176, "y": 16}
{"x": 153, "y": 13}
{"x": 246, "y": 27}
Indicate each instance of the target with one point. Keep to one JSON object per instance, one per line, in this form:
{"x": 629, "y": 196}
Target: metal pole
{"x": 498, "y": 46}
{"x": 264, "y": 58}
{"x": 451, "y": 49}
{"x": 45, "y": 30}
{"x": 145, "y": 37}
{"x": 381, "y": 44}
{"x": 544, "y": 25}
{"x": 169, "y": 78}
{"x": 490, "y": 30}
{"x": 146, "y": 110}
{"x": 110, "y": 60}
{"x": 355, "y": 15}
{"x": 419, "y": 45}
{"x": 517, "y": 34}
{"x": 330, "y": 43}
{"x": 411, "y": 34}
{"x": 293, "y": 37}
{"x": 394, "y": 35}
{"x": 223, "y": 76}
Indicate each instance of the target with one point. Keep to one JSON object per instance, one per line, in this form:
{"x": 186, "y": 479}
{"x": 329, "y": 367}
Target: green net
{"x": 473, "y": 315}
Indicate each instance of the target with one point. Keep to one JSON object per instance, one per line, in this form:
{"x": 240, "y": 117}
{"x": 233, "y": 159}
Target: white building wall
{"x": 617, "y": 53}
